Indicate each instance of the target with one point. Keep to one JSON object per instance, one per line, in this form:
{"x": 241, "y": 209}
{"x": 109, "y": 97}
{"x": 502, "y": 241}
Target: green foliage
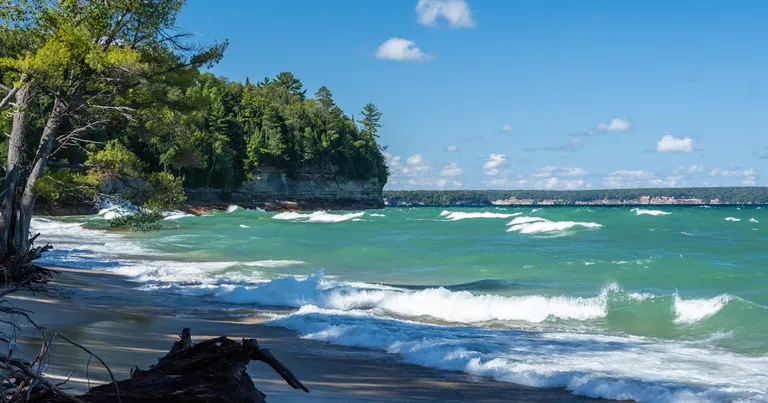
{"x": 142, "y": 221}
{"x": 113, "y": 161}
{"x": 65, "y": 186}
{"x": 168, "y": 192}
{"x": 731, "y": 195}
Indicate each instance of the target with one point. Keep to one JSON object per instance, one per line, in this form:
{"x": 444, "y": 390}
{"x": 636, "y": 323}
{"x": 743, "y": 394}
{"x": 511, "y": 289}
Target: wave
{"x": 639, "y": 211}
{"x": 464, "y": 303}
{"x": 694, "y": 310}
{"x": 536, "y": 225}
{"x": 734, "y": 219}
{"x": 175, "y": 215}
{"x": 599, "y": 366}
{"x": 317, "y": 216}
{"x": 461, "y": 215}
{"x": 244, "y": 226}
{"x": 753, "y": 220}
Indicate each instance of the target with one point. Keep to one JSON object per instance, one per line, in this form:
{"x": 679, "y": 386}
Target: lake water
{"x": 654, "y": 304}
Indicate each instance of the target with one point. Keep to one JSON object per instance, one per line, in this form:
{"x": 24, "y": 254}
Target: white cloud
{"x": 443, "y": 183}
{"x": 748, "y": 182}
{"x": 507, "y": 128}
{"x": 557, "y": 183}
{"x": 732, "y": 172}
{"x": 625, "y": 178}
{"x": 451, "y": 149}
{"x": 455, "y": 12}
{"x": 401, "y": 50}
{"x": 691, "y": 169}
{"x": 551, "y": 171}
{"x": 674, "y": 144}
{"x": 493, "y": 162}
{"x": 452, "y": 169}
{"x": 638, "y": 173}
{"x": 615, "y": 125}
{"x": 415, "y": 159}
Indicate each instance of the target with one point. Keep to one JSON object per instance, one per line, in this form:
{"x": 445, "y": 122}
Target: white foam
{"x": 175, "y": 215}
{"x": 198, "y": 273}
{"x": 232, "y": 208}
{"x": 643, "y": 370}
{"x": 753, "y": 220}
{"x": 694, "y": 310}
{"x": 461, "y": 215}
{"x": 438, "y": 303}
{"x": 732, "y": 219}
{"x": 639, "y": 211}
{"x": 536, "y": 225}
{"x": 377, "y": 215}
{"x": 244, "y": 226}
{"x": 318, "y": 216}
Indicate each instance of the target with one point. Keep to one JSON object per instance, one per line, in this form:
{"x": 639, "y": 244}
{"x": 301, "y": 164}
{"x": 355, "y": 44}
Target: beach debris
{"x": 212, "y": 371}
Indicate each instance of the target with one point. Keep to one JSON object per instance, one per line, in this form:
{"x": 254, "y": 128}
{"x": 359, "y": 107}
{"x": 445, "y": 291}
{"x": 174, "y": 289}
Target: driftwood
{"x": 210, "y": 371}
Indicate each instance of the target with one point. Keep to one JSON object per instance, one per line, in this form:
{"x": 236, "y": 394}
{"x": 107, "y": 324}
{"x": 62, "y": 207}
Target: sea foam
{"x": 536, "y": 225}
{"x": 694, "y": 310}
{"x": 461, "y": 215}
{"x": 318, "y": 217}
{"x": 639, "y": 211}
{"x": 734, "y": 219}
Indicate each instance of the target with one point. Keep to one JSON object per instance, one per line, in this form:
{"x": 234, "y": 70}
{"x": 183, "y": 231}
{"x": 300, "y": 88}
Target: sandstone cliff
{"x": 275, "y": 190}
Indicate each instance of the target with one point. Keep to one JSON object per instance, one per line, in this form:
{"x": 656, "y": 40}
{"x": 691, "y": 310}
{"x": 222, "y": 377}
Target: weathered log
{"x": 210, "y": 371}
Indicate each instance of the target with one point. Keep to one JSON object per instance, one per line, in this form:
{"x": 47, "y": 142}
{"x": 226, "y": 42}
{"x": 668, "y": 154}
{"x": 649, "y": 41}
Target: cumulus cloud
{"x": 451, "y": 169}
{"x": 493, "y": 163}
{"x": 455, "y": 12}
{"x": 402, "y": 50}
{"x": 451, "y": 149}
{"x": 507, "y": 128}
{"x": 669, "y": 143}
{"x": 557, "y": 183}
{"x": 615, "y": 125}
{"x": 749, "y": 175}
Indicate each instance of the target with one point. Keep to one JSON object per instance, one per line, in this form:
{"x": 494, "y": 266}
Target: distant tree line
{"x": 731, "y": 195}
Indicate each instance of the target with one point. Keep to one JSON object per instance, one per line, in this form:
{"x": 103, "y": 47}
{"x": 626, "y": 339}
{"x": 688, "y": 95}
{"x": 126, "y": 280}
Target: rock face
{"x": 274, "y": 190}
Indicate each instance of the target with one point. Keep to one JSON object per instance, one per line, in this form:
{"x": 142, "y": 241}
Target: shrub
{"x": 141, "y": 221}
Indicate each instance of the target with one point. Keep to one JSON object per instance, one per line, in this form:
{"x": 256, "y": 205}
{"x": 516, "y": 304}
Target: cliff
{"x": 275, "y": 190}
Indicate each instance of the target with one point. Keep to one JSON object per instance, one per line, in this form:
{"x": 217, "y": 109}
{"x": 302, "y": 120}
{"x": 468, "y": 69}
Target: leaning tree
{"x": 65, "y": 66}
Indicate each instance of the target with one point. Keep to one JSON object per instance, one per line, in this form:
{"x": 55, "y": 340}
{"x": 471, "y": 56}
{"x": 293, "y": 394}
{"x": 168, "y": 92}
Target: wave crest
{"x": 318, "y": 216}
{"x": 639, "y": 211}
{"x": 461, "y": 215}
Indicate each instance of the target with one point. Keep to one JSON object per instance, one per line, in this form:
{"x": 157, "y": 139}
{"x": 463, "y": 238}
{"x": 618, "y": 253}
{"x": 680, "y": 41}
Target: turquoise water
{"x": 655, "y": 304}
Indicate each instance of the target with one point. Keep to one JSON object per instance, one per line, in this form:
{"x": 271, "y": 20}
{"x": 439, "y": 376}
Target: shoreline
{"x": 126, "y": 328}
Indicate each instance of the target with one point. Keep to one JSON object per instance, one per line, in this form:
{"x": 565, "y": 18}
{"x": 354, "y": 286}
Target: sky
{"x": 484, "y": 94}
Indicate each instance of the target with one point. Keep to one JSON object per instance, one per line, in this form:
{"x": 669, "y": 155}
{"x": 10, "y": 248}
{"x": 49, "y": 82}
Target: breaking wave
{"x": 734, "y": 219}
{"x": 317, "y": 216}
{"x": 461, "y": 215}
{"x": 537, "y": 225}
{"x": 639, "y": 211}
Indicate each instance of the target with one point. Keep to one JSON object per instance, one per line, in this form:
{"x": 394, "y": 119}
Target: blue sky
{"x": 521, "y": 94}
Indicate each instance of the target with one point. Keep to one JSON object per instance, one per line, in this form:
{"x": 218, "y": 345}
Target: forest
{"x": 729, "y": 195}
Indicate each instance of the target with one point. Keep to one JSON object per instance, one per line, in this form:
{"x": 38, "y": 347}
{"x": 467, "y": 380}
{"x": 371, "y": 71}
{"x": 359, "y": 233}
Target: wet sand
{"x": 128, "y": 328}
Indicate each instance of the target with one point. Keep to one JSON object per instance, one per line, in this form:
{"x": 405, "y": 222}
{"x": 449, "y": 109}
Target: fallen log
{"x": 210, "y": 371}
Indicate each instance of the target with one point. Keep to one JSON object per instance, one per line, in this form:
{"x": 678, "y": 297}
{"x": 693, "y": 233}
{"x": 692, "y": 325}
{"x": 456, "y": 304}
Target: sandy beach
{"x": 127, "y": 328}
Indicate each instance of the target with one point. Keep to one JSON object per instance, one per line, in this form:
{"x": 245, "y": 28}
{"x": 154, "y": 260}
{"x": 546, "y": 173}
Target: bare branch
{"x": 8, "y": 97}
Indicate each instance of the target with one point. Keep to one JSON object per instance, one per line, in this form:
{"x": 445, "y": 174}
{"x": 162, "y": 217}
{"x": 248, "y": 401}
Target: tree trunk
{"x": 27, "y": 203}
{"x": 15, "y": 150}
